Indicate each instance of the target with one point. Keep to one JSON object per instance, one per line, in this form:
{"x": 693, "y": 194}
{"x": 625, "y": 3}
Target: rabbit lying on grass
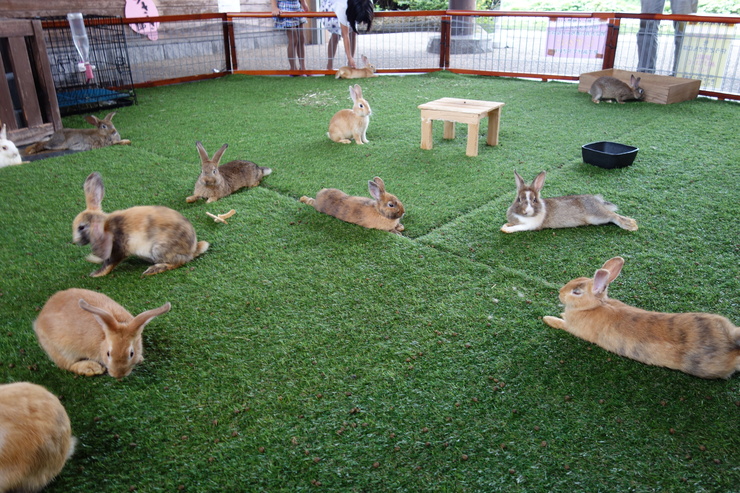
{"x": 82, "y": 139}
{"x": 529, "y": 212}
{"x": 35, "y": 437}
{"x": 384, "y": 211}
{"x": 155, "y": 233}
{"x": 700, "y": 344}
{"x": 88, "y": 333}
{"x": 216, "y": 182}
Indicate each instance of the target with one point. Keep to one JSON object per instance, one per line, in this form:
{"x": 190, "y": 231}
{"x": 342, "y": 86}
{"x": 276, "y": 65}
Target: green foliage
{"x": 302, "y": 351}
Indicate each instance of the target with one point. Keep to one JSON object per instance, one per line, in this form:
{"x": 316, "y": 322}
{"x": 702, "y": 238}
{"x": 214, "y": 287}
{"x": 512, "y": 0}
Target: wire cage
{"x": 111, "y": 86}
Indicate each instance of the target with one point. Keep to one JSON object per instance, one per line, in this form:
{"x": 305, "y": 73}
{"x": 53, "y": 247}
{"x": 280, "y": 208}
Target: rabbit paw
{"x": 554, "y": 322}
{"x": 87, "y": 368}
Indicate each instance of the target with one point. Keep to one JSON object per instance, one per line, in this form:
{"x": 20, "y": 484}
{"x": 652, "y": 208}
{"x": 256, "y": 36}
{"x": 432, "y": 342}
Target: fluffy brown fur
{"x": 219, "y": 181}
{"x": 88, "y": 333}
{"x": 384, "y": 212}
{"x": 155, "y": 233}
{"x": 700, "y": 344}
{"x": 82, "y": 139}
{"x": 35, "y": 437}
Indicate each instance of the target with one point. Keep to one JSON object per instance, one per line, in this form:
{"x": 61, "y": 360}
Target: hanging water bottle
{"x": 79, "y": 37}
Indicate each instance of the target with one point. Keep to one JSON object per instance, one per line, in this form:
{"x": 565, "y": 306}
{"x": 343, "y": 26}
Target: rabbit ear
{"x": 352, "y": 93}
{"x": 539, "y": 182}
{"x": 365, "y": 60}
{"x": 217, "y": 157}
{"x": 104, "y": 318}
{"x": 94, "y": 191}
{"x": 358, "y": 91}
{"x": 143, "y": 318}
{"x": 109, "y": 116}
{"x": 93, "y": 120}
{"x": 202, "y": 151}
{"x": 520, "y": 184}
{"x": 374, "y": 190}
{"x": 100, "y": 241}
{"x": 614, "y": 266}
{"x": 601, "y": 281}
{"x": 3, "y": 134}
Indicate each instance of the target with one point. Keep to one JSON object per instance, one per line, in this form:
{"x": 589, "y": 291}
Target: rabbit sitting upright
{"x": 384, "y": 212}
{"x": 216, "y": 182}
{"x": 530, "y": 212}
{"x": 607, "y": 87}
{"x": 700, "y": 344}
{"x": 82, "y": 139}
{"x": 351, "y": 123}
{"x": 9, "y": 155}
{"x": 88, "y": 333}
{"x": 35, "y": 437}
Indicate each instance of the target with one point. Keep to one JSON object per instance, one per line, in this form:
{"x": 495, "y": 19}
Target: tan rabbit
{"x": 35, "y": 437}
{"x": 216, "y": 182}
{"x": 82, "y": 139}
{"x": 607, "y": 87}
{"x": 529, "y": 212}
{"x": 155, "y": 233}
{"x": 86, "y": 332}
{"x": 700, "y": 344}
{"x": 384, "y": 212}
{"x": 347, "y": 72}
{"x": 349, "y": 124}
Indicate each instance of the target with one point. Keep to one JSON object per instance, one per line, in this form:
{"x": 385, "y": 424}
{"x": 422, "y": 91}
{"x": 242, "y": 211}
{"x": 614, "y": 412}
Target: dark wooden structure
{"x": 28, "y": 101}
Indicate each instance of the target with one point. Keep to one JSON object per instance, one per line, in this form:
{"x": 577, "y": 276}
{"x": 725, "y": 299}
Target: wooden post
{"x": 610, "y": 50}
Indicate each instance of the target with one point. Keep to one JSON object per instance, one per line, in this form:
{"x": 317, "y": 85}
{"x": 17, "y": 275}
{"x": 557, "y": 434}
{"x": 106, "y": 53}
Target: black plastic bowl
{"x": 609, "y": 155}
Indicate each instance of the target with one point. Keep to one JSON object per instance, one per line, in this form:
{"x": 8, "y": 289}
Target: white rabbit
{"x": 9, "y": 155}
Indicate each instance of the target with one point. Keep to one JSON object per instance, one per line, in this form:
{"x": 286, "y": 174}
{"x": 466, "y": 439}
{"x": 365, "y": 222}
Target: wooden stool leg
{"x": 493, "y": 122}
{"x": 449, "y": 132}
{"x": 426, "y": 133}
{"x": 473, "y": 129}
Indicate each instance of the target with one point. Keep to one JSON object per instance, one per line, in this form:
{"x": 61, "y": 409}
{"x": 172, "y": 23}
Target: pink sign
{"x": 143, "y": 8}
{"x": 577, "y": 38}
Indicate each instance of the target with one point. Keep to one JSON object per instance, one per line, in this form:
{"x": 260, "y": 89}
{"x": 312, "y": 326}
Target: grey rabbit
{"x": 530, "y": 212}
{"x": 82, "y": 139}
{"x": 216, "y": 182}
{"x": 607, "y": 87}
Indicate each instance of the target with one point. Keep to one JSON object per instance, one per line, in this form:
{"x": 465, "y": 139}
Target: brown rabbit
{"x": 347, "y": 72}
{"x": 348, "y": 124}
{"x": 607, "y": 87}
{"x": 35, "y": 437}
{"x": 86, "y": 332}
{"x": 155, "y": 233}
{"x": 529, "y": 212}
{"x": 82, "y": 139}
{"x": 384, "y": 212}
{"x": 700, "y": 344}
{"x": 216, "y": 182}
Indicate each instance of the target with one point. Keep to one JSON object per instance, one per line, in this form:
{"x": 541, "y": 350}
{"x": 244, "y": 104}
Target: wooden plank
{"x": 47, "y": 94}
{"x": 24, "y": 81}
{"x": 6, "y": 110}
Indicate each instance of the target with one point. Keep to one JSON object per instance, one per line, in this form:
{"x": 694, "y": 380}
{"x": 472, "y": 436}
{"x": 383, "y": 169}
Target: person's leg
{"x": 300, "y": 47}
{"x": 331, "y": 50}
{"x": 680, "y": 7}
{"x": 647, "y": 36}
{"x": 291, "y": 47}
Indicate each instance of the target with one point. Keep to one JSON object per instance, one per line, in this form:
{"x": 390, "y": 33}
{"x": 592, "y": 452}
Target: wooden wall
{"x": 56, "y": 8}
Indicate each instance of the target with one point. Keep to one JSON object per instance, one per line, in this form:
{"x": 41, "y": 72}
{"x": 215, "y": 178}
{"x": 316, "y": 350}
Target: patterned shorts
{"x": 289, "y": 22}
{"x": 330, "y": 23}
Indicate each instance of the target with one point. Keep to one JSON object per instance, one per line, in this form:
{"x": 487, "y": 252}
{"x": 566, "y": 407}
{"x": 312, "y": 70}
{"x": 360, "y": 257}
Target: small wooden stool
{"x": 453, "y": 110}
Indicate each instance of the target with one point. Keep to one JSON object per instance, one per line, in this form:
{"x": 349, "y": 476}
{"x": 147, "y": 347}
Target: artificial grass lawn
{"x": 303, "y": 353}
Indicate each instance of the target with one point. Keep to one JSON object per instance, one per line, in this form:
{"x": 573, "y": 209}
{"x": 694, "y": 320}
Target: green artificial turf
{"x": 305, "y": 353}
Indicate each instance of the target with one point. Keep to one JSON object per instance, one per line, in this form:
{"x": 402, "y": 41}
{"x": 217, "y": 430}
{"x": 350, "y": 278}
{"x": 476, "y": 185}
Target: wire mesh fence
{"x": 537, "y": 45}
